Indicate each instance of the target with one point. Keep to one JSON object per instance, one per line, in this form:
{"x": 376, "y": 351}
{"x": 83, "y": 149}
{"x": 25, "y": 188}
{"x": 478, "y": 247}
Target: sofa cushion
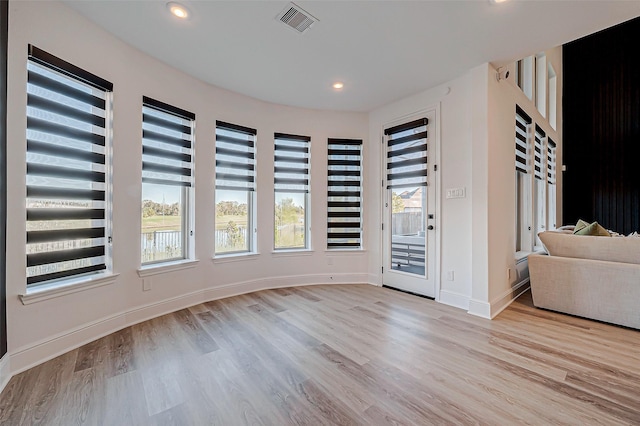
{"x": 592, "y": 229}
{"x": 625, "y": 250}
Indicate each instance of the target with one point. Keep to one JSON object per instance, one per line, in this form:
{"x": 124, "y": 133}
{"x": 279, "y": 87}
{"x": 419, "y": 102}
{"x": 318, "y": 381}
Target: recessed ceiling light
{"x": 178, "y": 10}
{"x": 338, "y": 85}
{"x": 497, "y": 1}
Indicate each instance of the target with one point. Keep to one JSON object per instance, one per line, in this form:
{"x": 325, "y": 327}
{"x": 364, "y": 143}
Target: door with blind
{"x": 409, "y": 255}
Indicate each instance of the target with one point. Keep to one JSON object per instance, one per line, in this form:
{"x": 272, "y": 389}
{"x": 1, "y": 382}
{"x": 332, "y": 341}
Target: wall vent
{"x": 296, "y": 18}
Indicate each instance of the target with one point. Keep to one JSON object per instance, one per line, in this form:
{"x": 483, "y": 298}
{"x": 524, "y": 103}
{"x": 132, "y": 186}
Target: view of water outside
{"x": 232, "y": 219}
{"x": 162, "y": 220}
{"x": 290, "y": 220}
{"x": 70, "y": 244}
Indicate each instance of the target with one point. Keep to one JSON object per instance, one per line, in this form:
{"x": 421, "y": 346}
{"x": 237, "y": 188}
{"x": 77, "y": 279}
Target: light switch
{"x": 456, "y": 193}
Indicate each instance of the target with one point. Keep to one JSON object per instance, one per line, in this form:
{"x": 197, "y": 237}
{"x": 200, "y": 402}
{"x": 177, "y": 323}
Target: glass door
{"x": 409, "y": 238}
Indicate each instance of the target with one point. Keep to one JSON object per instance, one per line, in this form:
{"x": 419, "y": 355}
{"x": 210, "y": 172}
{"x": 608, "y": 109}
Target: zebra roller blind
{"x": 291, "y": 163}
{"x": 538, "y": 166}
{"x": 235, "y": 157}
{"x": 523, "y": 121}
{"x": 344, "y": 193}
{"x": 166, "y": 144}
{"x": 407, "y": 154}
{"x": 67, "y": 178}
{"x": 551, "y": 162}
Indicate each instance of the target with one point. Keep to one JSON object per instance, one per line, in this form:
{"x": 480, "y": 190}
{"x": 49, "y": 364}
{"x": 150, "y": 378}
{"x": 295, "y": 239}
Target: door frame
{"x": 434, "y": 109}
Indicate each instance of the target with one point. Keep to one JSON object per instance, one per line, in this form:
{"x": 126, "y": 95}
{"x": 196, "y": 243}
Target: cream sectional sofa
{"x": 588, "y": 276}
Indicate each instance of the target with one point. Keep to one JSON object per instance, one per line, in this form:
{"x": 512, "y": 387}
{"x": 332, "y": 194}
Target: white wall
{"x": 476, "y": 152}
{"x": 477, "y": 124}
{"x": 41, "y": 330}
{"x": 454, "y": 171}
{"x": 503, "y": 97}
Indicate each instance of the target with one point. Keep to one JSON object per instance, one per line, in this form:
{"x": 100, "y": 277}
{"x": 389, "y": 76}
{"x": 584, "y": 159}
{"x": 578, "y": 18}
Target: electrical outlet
{"x": 450, "y": 275}
{"x": 329, "y": 260}
{"x": 146, "y": 284}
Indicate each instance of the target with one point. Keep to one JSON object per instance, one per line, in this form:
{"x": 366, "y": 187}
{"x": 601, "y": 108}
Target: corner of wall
{"x": 491, "y": 310}
{"x": 5, "y": 371}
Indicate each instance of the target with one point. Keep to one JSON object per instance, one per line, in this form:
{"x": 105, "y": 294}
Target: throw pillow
{"x": 581, "y": 224}
{"x": 593, "y": 229}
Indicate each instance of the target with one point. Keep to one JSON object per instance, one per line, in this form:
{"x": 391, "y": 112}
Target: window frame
{"x": 541, "y": 83}
{"x": 187, "y": 219}
{"x": 535, "y": 186}
{"x": 524, "y": 175}
{"x": 540, "y": 189}
{"x": 306, "y": 140}
{"x": 251, "y": 190}
{"x": 43, "y": 63}
{"x": 351, "y": 143}
{"x": 552, "y": 169}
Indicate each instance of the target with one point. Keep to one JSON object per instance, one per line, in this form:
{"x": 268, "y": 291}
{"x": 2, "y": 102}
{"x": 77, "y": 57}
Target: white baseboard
{"x": 506, "y": 298}
{"x": 491, "y": 310}
{"x": 479, "y": 308}
{"x": 29, "y": 356}
{"x": 456, "y": 300}
{"x": 375, "y": 280}
{"x": 5, "y": 371}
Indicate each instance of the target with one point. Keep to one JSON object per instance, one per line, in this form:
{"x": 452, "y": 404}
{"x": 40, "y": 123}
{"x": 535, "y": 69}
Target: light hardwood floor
{"x": 339, "y": 355}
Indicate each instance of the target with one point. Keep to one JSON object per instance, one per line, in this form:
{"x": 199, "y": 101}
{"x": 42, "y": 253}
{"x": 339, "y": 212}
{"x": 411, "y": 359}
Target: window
{"x": 524, "y": 75}
{"x": 291, "y": 185}
{"x": 551, "y": 183}
{"x": 407, "y": 163}
{"x": 535, "y": 184}
{"x": 68, "y": 170}
{"x": 344, "y": 194}
{"x": 541, "y": 83}
{"x": 553, "y": 97}
{"x": 523, "y": 180}
{"x": 167, "y": 180}
{"x": 539, "y": 185}
{"x": 235, "y": 188}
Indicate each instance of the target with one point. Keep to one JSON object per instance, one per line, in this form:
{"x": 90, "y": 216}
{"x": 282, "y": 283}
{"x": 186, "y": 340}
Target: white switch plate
{"x": 456, "y": 192}
{"x": 146, "y": 284}
{"x": 450, "y": 275}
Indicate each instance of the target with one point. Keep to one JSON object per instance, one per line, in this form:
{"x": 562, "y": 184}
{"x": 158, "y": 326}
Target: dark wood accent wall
{"x": 601, "y": 128}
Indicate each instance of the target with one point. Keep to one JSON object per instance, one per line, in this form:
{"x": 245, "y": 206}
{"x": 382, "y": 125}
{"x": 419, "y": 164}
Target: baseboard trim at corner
{"x": 491, "y": 310}
{"x": 479, "y": 308}
{"x": 5, "y": 371}
{"x": 375, "y": 279}
{"x": 456, "y": 300}
{"x": 507, "y": 298}
{"x": 29, "y": 356}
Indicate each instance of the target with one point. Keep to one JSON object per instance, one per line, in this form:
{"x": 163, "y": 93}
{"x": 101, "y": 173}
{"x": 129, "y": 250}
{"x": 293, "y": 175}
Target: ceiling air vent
{"x": 297, "y": 18}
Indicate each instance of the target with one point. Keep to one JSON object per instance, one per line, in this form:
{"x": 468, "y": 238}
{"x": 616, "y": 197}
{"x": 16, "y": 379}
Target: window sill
{"x": 521, "y": 256}
{"x": 162, "y": 268}
{"x": 74, "y": 285}
{"x": 235, "y": 257}
{"x": 292, "y": 252}
{"x": 345, "y": 252}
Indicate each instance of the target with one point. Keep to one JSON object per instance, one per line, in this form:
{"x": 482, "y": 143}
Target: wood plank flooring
{"x": 339, "y": 355}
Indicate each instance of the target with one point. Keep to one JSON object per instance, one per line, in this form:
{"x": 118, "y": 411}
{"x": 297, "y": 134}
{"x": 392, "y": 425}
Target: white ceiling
{"x": 381, "y": 50}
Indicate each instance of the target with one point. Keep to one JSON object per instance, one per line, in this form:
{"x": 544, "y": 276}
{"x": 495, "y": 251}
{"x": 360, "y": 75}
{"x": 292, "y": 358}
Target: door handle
{"x": 430, "y": 227}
